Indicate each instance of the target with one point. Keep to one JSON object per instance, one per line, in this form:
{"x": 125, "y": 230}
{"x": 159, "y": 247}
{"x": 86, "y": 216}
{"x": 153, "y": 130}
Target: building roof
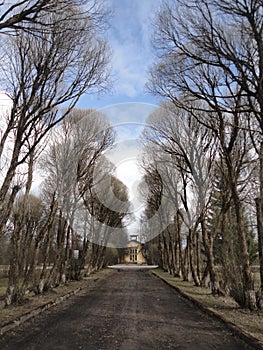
{"x": 133, "y": 242}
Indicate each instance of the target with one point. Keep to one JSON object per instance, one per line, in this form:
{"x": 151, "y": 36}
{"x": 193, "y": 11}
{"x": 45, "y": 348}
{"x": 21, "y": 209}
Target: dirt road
{"x": 130, "y": 309}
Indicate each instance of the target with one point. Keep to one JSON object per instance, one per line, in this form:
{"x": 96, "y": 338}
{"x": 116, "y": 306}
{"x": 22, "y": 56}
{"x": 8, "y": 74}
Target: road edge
{"x": 248, "y": 338}
{"x": 35, "y": 312}
{"x": 11, "y": 325}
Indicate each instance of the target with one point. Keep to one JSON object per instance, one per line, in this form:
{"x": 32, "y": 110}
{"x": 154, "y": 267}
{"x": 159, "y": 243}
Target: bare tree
{"x": 186, "y": 141}
{"x": 207, "y": 54}
{"x": 25, "y": 14}
{"x": 74, "y": 148}
{"x": 43, "y": 72}
{"x": 69, "y": 162}
{"x": 163, "y": 202}
{"x": 107, "y": 208}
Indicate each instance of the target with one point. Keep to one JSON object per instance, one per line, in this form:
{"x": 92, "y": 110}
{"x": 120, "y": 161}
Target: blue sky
{"x": 129, "y": 35}
{"x": 129, "y": 104}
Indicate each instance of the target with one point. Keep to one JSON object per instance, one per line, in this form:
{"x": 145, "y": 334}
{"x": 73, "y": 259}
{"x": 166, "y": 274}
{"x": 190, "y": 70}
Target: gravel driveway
{"x": 130, "y": 309}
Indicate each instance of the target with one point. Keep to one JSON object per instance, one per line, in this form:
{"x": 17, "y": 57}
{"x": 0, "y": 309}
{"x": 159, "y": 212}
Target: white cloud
{"x": 134, "y": 112}
{"x": 130, "y": 38}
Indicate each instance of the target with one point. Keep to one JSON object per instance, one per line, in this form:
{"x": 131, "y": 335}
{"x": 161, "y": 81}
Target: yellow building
{"x": 134, "y": 252}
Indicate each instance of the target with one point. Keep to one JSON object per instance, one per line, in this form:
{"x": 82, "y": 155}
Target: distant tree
{"x": 107, "y": 202}
{"x": 29, "y": 225}
{"x": 75, "y": 148}
{"x": 180, "y": 136}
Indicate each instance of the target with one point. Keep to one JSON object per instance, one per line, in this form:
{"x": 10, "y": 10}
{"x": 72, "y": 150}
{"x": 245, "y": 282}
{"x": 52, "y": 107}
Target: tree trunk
{"x": 206, "y": 277}
{"x": 260, "y": 250}
{"x": 6, "y": 208}
{"x": 12, "y": 292}
{"x": 192, "y": 257}
{"x": 259, "y": 204}
{"x": 38, "y": 244}
{"x": 17, "y": 267}
{"x": 68, "y": 262}
{"x": 165, "y": 254}
{"x": 40, "y": 286}
{"x": 160, "y": 251}
{"x": 85, "y": 245}
{"x": 24, "y": 243}
{"x": 179, "y": 222}
{"x": 185, "y": 270}
{"x": 54, "y": 277}
{"x": 208, "y": 245}
{"x": 248, "y": 286}
{"x": 6, "y": 184}
{"x": 198, "y": 255}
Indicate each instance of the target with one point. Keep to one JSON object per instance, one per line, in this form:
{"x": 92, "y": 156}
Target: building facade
{"x": 134, "y": 252}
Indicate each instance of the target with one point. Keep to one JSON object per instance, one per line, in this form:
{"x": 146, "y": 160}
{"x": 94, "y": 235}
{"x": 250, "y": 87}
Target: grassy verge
{"x": 248, "y": 321}
{"x": 34, "y": 301}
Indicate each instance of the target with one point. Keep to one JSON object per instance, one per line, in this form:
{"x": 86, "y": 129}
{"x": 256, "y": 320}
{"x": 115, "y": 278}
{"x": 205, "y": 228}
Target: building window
{"x": 133, "y": 254}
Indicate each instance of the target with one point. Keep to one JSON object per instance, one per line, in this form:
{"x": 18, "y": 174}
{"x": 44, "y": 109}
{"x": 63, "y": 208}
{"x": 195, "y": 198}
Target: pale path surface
{"x": 130, "y": 309}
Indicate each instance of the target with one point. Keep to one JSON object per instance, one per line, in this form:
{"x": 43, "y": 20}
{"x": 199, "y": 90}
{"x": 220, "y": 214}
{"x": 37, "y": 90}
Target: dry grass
{"x": 250, "y": 322}
{"x": 33, "y": 301}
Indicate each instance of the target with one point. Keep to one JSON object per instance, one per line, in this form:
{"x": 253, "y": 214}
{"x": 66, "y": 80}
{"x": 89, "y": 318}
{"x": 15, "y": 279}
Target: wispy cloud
{"x": 130, "y": 38}
{"x": 131, "y": 112}
{"x": 129, "y": 35}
